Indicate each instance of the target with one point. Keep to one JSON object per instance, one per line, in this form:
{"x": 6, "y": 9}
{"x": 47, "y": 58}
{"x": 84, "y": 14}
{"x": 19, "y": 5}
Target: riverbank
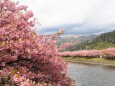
{"x": 92, "y": 61}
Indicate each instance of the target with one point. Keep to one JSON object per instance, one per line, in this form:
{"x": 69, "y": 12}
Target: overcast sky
{"x": 74, "y": 16}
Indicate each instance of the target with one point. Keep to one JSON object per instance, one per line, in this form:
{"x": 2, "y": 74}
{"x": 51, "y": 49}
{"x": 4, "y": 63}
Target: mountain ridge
{"x": 102, "y": 41}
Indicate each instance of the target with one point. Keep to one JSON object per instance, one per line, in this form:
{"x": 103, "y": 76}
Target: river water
{"x": 91, "y": 75}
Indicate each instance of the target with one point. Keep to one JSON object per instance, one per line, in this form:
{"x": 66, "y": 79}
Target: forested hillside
{"x": 105, "y": 40}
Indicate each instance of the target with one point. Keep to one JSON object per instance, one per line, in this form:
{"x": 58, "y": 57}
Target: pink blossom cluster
{"x": 24, "y": 55}
{"x": 81, "y": 53}
{"x": 107, "y": 53}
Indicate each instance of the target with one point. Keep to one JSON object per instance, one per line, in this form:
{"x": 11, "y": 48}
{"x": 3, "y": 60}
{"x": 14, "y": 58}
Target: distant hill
{"x": 105, "y": 40}
{"x": 76, "y": 38}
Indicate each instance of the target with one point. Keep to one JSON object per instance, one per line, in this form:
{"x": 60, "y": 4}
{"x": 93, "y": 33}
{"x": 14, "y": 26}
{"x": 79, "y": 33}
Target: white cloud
{"x": 103, "y": 15}
{"x": 51, "y": 13}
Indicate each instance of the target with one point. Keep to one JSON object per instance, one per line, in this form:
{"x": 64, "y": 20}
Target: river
{"x": 91, "y": 75}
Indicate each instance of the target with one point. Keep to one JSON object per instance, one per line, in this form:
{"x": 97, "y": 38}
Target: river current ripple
{"x": 91, "y": 75}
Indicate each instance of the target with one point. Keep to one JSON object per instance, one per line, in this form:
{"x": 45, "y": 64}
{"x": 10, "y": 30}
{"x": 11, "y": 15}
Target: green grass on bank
{"x": 98, "y": 61}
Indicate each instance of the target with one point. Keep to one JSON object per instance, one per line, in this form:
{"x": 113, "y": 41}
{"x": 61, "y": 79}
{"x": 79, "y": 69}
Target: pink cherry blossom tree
{"x": 81, "y": 53}
{"x": 109, "y": 53}
{"x": 26, "y": 58}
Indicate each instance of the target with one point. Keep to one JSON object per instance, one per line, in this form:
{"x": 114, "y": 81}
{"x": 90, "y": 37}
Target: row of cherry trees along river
{"x": 26, "y": 58}
{"x": 108, "y": 53}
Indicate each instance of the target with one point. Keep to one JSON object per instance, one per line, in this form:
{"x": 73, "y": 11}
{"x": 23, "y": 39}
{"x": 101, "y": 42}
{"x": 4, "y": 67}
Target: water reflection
{"x": 109, "y": 67}
{"x": 92, "y": 75}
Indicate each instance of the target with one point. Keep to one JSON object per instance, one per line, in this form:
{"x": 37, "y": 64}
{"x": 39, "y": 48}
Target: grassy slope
{"x": 97, "y": 61}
